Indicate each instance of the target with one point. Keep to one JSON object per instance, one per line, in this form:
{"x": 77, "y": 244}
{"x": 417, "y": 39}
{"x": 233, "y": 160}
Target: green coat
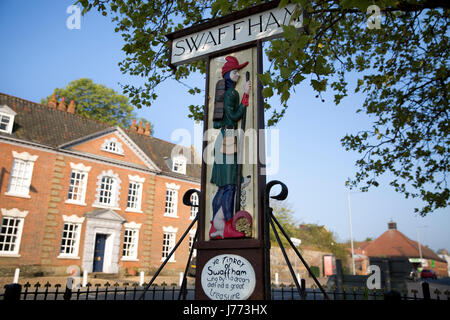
{"x": 224, "y": 170}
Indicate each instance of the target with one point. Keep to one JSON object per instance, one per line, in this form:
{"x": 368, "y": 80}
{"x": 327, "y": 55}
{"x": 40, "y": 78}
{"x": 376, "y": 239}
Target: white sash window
{"x": 21, "y": 173}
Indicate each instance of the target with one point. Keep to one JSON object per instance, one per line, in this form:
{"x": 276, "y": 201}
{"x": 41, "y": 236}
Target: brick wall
{"x": 42, "y": 231}
{"x": 278, "y": 263}
{"x": 94, "y": 147}
{"x": 181, "y": 223}
{"x": 36, "y": 205}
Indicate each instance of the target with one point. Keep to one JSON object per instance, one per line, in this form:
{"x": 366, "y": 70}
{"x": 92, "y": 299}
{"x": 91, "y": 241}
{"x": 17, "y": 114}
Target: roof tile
{"x": 51, "y": 127}
{"x": 393, "y": 243}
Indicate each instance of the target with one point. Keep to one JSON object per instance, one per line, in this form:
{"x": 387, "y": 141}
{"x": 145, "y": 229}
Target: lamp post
{"x": 351, "y": 232}
{"x": 418, "y": 243}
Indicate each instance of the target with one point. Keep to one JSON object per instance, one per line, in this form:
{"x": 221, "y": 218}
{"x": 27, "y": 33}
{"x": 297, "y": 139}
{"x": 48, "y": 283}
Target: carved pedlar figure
{"x": 225, "y": 172}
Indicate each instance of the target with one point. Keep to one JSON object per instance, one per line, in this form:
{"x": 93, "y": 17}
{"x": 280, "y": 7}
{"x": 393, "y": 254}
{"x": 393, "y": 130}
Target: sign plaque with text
{"x": 259, "y": 26}
{"x": 228, "y": 277}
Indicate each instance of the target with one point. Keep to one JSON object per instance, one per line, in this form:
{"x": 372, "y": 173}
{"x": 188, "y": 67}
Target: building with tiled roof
{"x": 79, "y": 192}
{"x": 393, "y": 243}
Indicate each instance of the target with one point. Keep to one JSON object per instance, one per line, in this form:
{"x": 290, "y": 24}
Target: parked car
{"x": 427, "y": 273}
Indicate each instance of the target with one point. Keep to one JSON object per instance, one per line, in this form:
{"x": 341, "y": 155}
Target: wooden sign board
{"x": 233, "y": 247}
{"x": 250, "y": 247}
{"x": 259, "y": 23}
{"x": 246, "y": 139}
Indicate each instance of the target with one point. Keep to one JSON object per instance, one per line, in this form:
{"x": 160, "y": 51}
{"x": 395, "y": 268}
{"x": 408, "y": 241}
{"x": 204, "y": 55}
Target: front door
{"x": 99, "y": 252}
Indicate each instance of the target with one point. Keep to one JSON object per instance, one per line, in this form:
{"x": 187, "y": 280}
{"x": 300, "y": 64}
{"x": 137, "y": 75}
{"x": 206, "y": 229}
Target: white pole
{"x": 181, "y": 278}
{"x": 85, "y": 276}
{"x": 276, "y": 278}
{"x": 141, "y": 279}
{"x": 298, "y": 277}
{"x": 420, "y": 249}
{"x": 351, "y": 232}
{"x": 16, "y": 275}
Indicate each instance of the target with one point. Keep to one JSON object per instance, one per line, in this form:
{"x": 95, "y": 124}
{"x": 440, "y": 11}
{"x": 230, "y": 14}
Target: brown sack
{"x": 229, "y": 144}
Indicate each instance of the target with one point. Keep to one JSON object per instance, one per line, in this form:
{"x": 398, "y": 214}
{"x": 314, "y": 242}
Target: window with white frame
{"x": 194, "y": 201}
{"x": 5, "y": 122}
{"x": 70, "y": 239}
{"x": 108, "y": 190}
{"x": 179, "y": 164}
{"x": 130, "y": 241}
{"x": 135, "y": 193}
{"x": 112, "y": 145}
{"x": 169, "y": 235}
{"x": 171, "y": 196}
{"x": 21, "y": 173}
{"x": 108, "y": 184}
{"x": 6, "y": 118}
{"x": 77, "y": 183}
{"x": 11, "y": 231}
{"x": 171, "y": 199}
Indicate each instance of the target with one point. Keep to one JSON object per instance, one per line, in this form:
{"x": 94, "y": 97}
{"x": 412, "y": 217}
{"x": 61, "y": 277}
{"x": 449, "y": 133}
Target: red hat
{"x": 231, "y": 64}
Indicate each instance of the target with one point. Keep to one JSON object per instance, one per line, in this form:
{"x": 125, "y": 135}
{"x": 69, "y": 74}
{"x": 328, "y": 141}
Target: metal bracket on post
{"x": 271, "y": 219}
{"x": 267, "y": 221}
{"x": 187, "y": 201}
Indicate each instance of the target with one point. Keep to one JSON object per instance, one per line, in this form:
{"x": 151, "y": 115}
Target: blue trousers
{"x": 224, "y": 199}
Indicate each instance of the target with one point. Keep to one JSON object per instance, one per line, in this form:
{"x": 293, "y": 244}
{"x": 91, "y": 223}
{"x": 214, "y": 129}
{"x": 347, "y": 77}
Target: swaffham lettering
{"x": 265, "y": 25}
{"x": 251, "y": 25}
{"x": 236, "y": 28}
{"x": 221, "y": 33}
{"x": 272, "y": 17}
{"x": 229, "y": 271}
{"x": 210, "y": 35}
{"x": 287, "y": 16}
{"x": 228, "y": 277}
{"x": 179, "y": 47}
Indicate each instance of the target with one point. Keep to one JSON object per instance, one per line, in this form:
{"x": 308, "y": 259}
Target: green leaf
{"x": 267, "y": 92}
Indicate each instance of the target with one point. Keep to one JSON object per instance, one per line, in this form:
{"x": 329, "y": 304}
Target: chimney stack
{"x": 392, "y": 225}
{"x": 133, "y": 126}
{"x": 147, "y": 129}
{"x": 52, "y": 102}
{"x": 62, "y": 104}
{"x": 140, "y": 129}
{"x": 71, "y": 107}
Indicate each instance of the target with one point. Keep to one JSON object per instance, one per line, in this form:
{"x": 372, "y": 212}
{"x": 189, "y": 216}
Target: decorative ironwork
{"x": 188, "y": 202}
{"x": 271, "y": 218}
{"x": 164, "y": 291}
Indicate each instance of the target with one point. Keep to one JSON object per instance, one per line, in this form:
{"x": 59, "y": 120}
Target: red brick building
{"x": 393, "y": 243}
{"x": 75, "y": 191}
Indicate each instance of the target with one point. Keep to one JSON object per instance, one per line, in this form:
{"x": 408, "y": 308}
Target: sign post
{"x": 233, "y": 244}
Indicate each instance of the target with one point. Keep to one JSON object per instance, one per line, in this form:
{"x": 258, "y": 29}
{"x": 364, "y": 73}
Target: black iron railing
{"x": 152, "y": 291}
{"x": 133, "y": 291}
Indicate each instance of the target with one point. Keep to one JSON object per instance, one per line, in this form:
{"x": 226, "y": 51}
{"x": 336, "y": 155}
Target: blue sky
{"x": 39, "y": 53}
